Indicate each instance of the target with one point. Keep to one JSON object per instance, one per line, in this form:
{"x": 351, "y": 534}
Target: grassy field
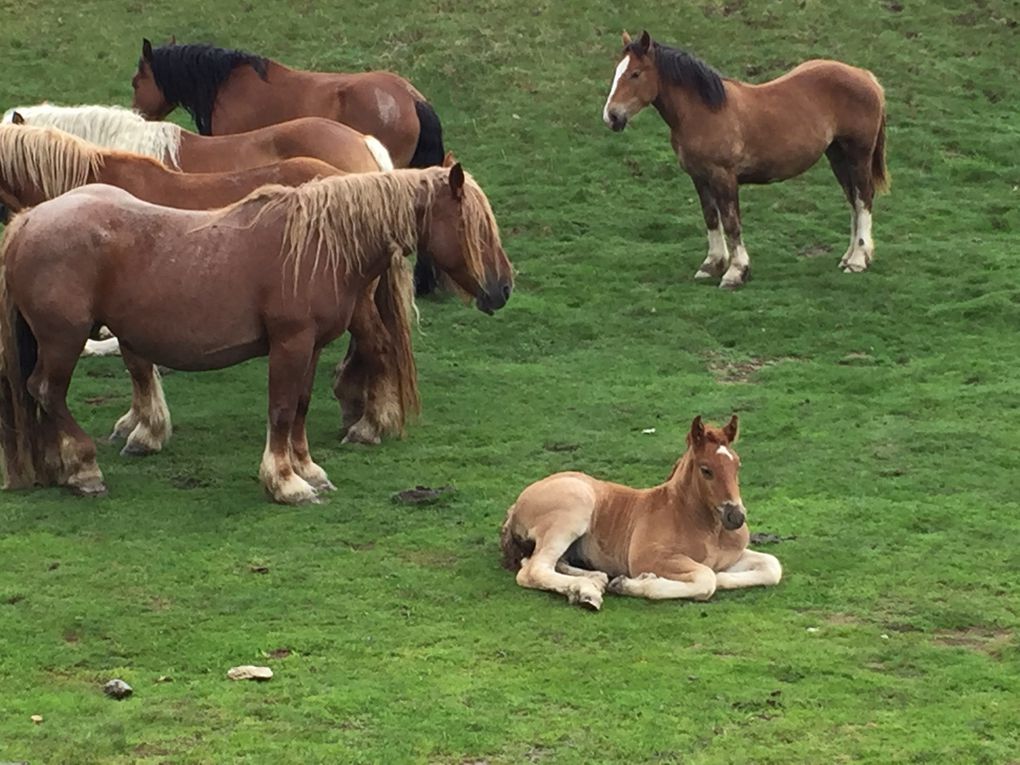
{"x": 880, "y": 419}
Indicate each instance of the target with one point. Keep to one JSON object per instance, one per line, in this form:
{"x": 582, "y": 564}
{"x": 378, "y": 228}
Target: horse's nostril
{"x": 506, "y": 291}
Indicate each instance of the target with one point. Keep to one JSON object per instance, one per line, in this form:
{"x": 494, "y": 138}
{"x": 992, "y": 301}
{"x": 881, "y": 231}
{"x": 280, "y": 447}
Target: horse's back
{"x": 822, "y": 78}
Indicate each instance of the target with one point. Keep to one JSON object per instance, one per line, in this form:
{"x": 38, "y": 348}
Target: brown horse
{"x": 289, "y": 266}
{"x": 377, "y": 381}
{"x": 686, "y": 538}
{"x": 727, "y": 132}
{"x": 231, "y": 91}
{"x": 114, "y": 127}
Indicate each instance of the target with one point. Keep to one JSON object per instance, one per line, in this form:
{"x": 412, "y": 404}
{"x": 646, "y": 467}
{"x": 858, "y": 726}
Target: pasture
{"x": 879, "y": 418}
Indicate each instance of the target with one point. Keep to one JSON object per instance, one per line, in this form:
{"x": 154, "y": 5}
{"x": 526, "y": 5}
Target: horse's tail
{"x": 379, "y": 153}
{"x": 515, "y": 547}
{"x": 28, "y": 439}
{"x": 880, "y": 175}
{"x": 394, "y": 298}
{"x": 429, "y": 151}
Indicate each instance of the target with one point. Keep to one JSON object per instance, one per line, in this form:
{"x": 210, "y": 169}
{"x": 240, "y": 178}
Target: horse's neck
{"x": 681, "y": 108}
{"x": 134, "y": 175}
{"x": 677, "y": 495}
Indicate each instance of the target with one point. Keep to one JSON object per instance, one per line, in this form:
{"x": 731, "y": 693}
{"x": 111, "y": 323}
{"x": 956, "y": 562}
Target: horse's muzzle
{"x": 733, "y": 516}
{"x": 494, "y": 297}
{"x": 616, "y": 122}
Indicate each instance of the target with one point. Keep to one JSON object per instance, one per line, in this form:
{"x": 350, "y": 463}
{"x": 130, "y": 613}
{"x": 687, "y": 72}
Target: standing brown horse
{"x": 377, "y": 382}
{"x": 289, "y": 266}
{"x": 114, "y": 127}
{"x": 686, "y": 538}
{"x": 231, "y": 91}
{"x": 727, "y": 132}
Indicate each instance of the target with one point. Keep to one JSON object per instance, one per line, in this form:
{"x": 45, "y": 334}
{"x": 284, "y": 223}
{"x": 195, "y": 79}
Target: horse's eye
{"x": 706, "y": 472}
{"x": 635, "y": 74}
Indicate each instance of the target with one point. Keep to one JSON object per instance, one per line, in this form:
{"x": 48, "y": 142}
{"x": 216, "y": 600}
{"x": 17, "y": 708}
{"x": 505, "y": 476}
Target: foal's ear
{"x": 645, "y": 43}
{"x": 732, "y": 429}
{"x": 457, "y": 181}
{"x": 146, "y": 49}
{"x": 449, "y": 160}
{"x": 17, "y": 119}
{"x": 697, "y": 435}
{"x": 626, "y": 39}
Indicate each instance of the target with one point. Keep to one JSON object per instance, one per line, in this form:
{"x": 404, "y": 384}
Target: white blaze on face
{"x": 724, "y": 451}
{"x": 620, "y": 69}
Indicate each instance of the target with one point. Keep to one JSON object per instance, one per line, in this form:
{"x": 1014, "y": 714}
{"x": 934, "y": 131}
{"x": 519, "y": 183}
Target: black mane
{"x": 679, "y": 67}
{"x": 191, "y": 76}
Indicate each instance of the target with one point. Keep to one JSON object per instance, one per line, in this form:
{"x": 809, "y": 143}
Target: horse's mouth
{"x": 733, "y": 518}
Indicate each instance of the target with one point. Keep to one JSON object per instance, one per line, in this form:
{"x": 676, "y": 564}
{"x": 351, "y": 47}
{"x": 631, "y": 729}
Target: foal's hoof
{"x": 616, "y": 585}
{"x": 703, "y": 276}
{"x": 89, "y": 489}
{"x": 589, "y": 601}
{"x": 732, "y": 281}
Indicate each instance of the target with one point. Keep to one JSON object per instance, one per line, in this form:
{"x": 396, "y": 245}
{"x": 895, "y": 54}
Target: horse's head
{"x": 635, "y": 83}
{"x": 463, "y": 239}
{"x": 714, "y": 473}
{"x": 148, "y": 98}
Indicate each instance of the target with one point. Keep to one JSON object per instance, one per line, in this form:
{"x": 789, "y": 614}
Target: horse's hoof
{"x": 616, "y": 585}
{"x": 703, "y": 276}
{"x": 90, "y": 489}
{"x": 324, "y": 485}
{"x": 358, "y": 435}
{"x": 136, "y": 450}
{"x": 731, "y": 284}
{"x": 590, "y": 602}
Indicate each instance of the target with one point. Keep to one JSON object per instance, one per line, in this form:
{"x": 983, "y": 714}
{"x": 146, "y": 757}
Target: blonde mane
{"x": 342, "y": 221}
{"x": 111, "y": 127}
{"x": 49, "y": 159}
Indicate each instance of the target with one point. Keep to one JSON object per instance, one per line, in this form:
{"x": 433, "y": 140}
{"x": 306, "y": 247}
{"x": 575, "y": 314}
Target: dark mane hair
{"x": 679, "y": 67}
{"x": 191, "y": 76}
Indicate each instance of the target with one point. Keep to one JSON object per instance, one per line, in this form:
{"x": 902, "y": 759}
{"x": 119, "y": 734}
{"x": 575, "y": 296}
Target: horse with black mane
{"x": 726, "y": 133}
{"x": 233, "y": 91}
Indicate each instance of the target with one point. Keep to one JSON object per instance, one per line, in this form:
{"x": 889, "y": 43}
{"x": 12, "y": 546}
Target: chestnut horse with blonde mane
{"x": 686, "y": 538}
{"x": 726, "y": 133}
{"x": 114, "y": 127}
{"x": 290, "y": 265}
{"x": 376, "y": 383}
{"x": 232, "y": 91}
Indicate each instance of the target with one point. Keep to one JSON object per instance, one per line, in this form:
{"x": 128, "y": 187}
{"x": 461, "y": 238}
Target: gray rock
{"x": 117, "y": 689}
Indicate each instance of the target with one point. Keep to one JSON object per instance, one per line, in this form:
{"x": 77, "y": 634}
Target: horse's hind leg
{"x": 563, "y": 567}
{"x": 301, "y": 456}
{"x": 146, "y": 426}
{"x": 289, "y": 359}
{"x": 48, "y": 385}
{"x": 542, "y": 570}
{"x": 862, "y": 194}
{"x": 841, "y": 169}
{"x": 715, "y": 262}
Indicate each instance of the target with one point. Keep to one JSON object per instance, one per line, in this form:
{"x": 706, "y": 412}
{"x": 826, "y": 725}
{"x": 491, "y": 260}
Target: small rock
{"x": 812, "y": 629}
{"x": 36, "y": 719}
{"x": 249, "y": 672}
{"x": 117, "y": 689}
{"x": 884, "y": 636}
{"x": 164, "y": 679}
{"x": 648, "y": 431}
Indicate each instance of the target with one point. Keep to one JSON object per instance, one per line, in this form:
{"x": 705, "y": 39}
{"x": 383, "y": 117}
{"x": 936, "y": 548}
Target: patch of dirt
{"x": 421, "y": 495}
{"x": 279, "y": 653}
{"x": 767, "y": 538}
{"x": 986, "y": 640}
{"x": 430, "y": 558}
{"x": 856, "y": 359}
{"x": 96, "y": 400}
{"x": 560, "y": 446}
{"x": 258, "y": 568}
{"x": 815, "y": 251}
{"x": 731, "y": 371}
{"x": 839, "y": 620}
{"x": 12, "y": 599}
{"x": 893, "y": 6}
{"x": 71, "y": 637}
{"x": 189, "y": 482}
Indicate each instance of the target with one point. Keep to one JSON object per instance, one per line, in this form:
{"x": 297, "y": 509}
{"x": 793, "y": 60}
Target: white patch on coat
{"x": 620, "y": 69}
{"x": 386, "y": 104}
{"x": 724, "y": 451}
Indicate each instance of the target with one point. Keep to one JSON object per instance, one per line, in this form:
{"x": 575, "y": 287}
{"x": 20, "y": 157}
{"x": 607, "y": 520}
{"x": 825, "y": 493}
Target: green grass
{"x": 880, "y": 418}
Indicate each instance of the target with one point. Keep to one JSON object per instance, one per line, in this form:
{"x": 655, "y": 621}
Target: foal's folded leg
{"x": 754, "y": 569}
{"x": 540, "y": 572}
{"x": 679, "y": 577}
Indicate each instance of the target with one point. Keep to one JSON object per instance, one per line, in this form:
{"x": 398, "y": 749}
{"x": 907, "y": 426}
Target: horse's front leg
{"x": 675, "y": 577}
{"x": 718, "y": 257}
{"x": 753, "y": 569}
{"x": 728, "y": 200}
{"x": 302, "y": 461}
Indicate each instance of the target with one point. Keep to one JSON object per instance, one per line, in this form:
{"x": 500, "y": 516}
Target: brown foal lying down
{"x": 686, "y": 538}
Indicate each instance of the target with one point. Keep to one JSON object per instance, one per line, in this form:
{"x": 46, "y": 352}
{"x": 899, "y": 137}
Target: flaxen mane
{"x": 191, "y": 76}
{"x": 49, "y": 159}
{"x": 111, "y": 127}
{"x": 679, "y": 67}
{"x": 340, "y": 221}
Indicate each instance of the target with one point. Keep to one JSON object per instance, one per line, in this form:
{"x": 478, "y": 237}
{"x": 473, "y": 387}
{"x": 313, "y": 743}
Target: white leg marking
{"x": 109, "y": 347}
{"x": 620, "y": 69}
{"x": 291, "y": 489}
{"x": 653, "y": 587}
{"x": 736, "y": 274}
{"x": 754, "y": 569}
{"x": 151, "y": 416}
{"x": 718, "y": 255}
{"x": 862, "y": 247}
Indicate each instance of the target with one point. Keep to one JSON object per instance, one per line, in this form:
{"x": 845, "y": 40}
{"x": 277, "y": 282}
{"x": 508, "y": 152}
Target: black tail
{"x": 515, "y": 548}
{"x": 428, "y": 152}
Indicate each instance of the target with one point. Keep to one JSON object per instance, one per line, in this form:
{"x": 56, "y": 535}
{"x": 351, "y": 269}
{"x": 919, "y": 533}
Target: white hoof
{"x": 293, "y": 490}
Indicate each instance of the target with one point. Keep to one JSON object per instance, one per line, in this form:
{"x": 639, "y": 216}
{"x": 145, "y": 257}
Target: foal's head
{"x": 713, "y": 474}
{"x": 635, "y": 84}
{"x": 148, "y": 98}
{"x": 463, "y": 239}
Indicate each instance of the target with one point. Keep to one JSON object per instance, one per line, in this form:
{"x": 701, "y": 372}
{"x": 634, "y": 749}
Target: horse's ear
{"x": 17, "y": 119}
{"x": 645, "y": 43}
{"x": 732, "y": 429}
{"x": 697, "y": 435}
{"x": 457, "y": 181}
{"x": 626, "y": 39}
{"x": 146, "y": 49}
{"x": 449, "y": 160}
